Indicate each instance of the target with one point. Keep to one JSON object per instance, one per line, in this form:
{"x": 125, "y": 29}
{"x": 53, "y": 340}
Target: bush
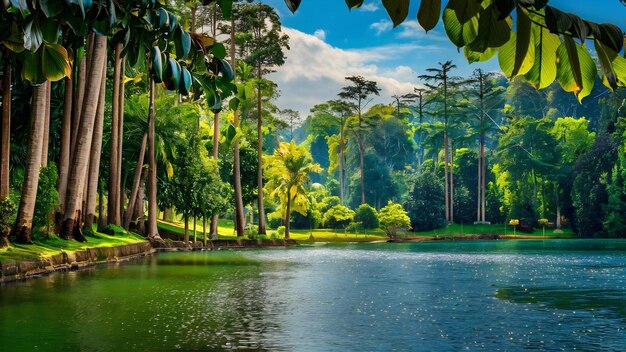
{"x": 7, "y": 217}
{"x": 392, "y": 218}
{"x": 251, "y": 231}
{"x": 354, "y": 226}
{"x": 338, "y": 217}
{"x": 281, "y": 231}
{"x": 367, "y": 216}
{"x": 274, "y": 219}
{"x": 425, "y": 206}
{"x": 47, "y": 196}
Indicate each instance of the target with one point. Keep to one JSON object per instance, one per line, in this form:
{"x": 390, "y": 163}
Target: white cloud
{"x": 320, "y": 34}
{"x": 381, "y": 26}
{"x": 315, "y": 71}
{"x": 369, "y": 7}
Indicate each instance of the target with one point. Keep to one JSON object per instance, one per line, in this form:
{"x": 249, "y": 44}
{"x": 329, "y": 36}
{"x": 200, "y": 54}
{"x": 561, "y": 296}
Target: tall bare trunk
{"x": 5, "y": 138}
{"x": 479, "y": 187}
{"x": 195, "y": 237}
{"x": 113, "y": 208}
{"x": 139, "y": 213}
{"x": 216, "y": 145}
{"x": 341, "y": 164}
{"x": 288, "y": 215}
{"x": 46, "y": 126}
{"x": 121, "y": 187}
{"x": 558, "y": 206}
{"x": 133, "y": 195}
{"x": 81, "y": 83}
{"x": 482, "y": 179}
{"x": 152, "y": 180}
{"x": 240, "y": 222}
{"x": 362, "y": 168}
{"x": 66, "y": 133}
{"x": 94, "y": 163}
{"x": 259, "y": 130}
{"x": 204, "y": 238}
{"x": 445, "y": 166}
{"x": 451, "y": 181}
{"x": 70, "y": 228}
{"x": 24, "y": 222}
{"x": 186, "y": 221}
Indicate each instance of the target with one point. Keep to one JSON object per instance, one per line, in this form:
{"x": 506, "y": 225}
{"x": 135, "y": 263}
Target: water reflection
{"x": 492, "y": 296}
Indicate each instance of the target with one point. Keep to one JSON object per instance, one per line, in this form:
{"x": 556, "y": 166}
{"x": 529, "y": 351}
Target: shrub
{"x": 251, "y": 231}
{"x": 274, "y": 219}
{"x": 281, "y": 231}
{"x": 367, "y": 216}
{"x": 7, "y": 216}
{"x": 47, "y": 196}
{"x": 354, "y": 226}
{"x": 338, "y": 217}
{"x": 425, "y": 205}
{"x": 392, "y": 218}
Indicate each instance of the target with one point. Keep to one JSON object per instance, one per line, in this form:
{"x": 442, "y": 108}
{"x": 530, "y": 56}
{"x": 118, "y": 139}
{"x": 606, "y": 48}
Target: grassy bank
{"x": 226, "y": 231}
{"x": 55, "y": 245}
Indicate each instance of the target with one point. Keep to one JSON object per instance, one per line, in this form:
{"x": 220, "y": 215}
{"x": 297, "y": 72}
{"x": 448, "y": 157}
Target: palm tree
{"x": 288, "y": 172}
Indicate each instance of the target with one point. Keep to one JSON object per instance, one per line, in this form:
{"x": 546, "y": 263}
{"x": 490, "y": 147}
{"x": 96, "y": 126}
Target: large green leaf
{"x": 397, "y": 10}
{"x": 475, "y": 56}
{"x": 507, "y": 58}
{"x": 55, "y": 62}
{"x": 171, "y": 76}
{"x": 543, "y": 71}
{"x": 491, "y": 32}
{"x": 227, "y": 8}
{"x": 523, "y": 42}
{"x": 50, "y": 31}
{"x": 428, "y": 14}
{"x": 156, "y": 63}
{"x": 612, "y": 36}
{"x": 51, "y": 8}
{"x": 185, "y": 81}
{"x": 31, "y": 70}
{"x": 226, "y": 70}
{"x": 219, "y": 50}
{"x": 465, "y": 9}
{"x": 453, "y": 27}
{"x": 32, "y": 35}
{"x": 182, "y": 41}
{"x": 576, "y": 71}
{"x": 609, "y": 78}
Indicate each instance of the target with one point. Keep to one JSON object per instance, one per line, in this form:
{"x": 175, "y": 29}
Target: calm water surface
{"x": 477, "y": 295}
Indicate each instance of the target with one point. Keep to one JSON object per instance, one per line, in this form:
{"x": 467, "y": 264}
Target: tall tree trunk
{"x": 362, "y": 168}
{"x": 558, "y": 206}
{"x": 5, "y": 138}
{"x": 81, "y": 84}
{"x": 94, "y": 163}
{"x": 447, "y": 184}
{"x": 240, "y": 222}
{"x": 216, "y": 145}
{"x": 66, "y": 133}
{"x": 152, "y": 179}
{"x": 259, "y": 130}
{"x": 484, "y": 175}
{"x": 341, "y": 164}
{"x": 479, "y": 173}
{"x": 195, "y": 237}
{"x": 186, "y": 221}
{"x": 101, "y": 220}
{"x": 70, "y": 228}
{"x": 24, "y": 222}
{"x": 46, "y": 126}
{"x": 452, "y": 181}
{"x": 139, "y": 213}
{"x": 204, "y": 238}
{"x": 136, "y": 181}
{"x": 120, "y": 134}
{"x": 113, "y": 208}
{"x": 288, "y": 215}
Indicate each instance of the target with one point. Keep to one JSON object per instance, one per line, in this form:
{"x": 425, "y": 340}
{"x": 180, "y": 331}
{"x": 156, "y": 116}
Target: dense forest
{"x": 116, "y": 114}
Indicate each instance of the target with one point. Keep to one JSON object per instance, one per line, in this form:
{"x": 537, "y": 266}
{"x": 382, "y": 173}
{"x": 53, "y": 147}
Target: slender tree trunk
{"x": 479, "y": 186}
{"x": 66, "y": 133}
{"x": 186, "y": 238}
{"x": 195, "y": 237}
{"x": 216, "y": 146}
{"x": 558, "y": 206}
{"x": 204, "y": 237}
{"x": 5, "y": 138}
{"x": 484, "y": 175}
{"x": 152, "y": 180}
{"x": 96, "y": 151}
{"x": 24, "y": 222}
{"x": 239, "y": 215}
{"x": 46, "y": 126}
{"x": 81, "y": 83}
{"x": 445, "y": 166}
{"x": 288, "y": 215}
{"x": 120, "y": 134}
{"x": 362, "y": 168}
{"x": 341, "y": 164}
{"x": 101, "y": 220}
{"x": 113, "y": 216}
{"x": 133, "y": 194}
{"x": 452, "y": 181}
{"x": 70, "y": 228}
{"x": 259, "y": 129}
{"x": 139, "y": 213}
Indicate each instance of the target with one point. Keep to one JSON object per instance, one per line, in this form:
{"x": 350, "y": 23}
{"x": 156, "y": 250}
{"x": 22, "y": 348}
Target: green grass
{"x": 226, "y": 231}
{"x": 484, "y": 229}
{"x": 47, "y": 247}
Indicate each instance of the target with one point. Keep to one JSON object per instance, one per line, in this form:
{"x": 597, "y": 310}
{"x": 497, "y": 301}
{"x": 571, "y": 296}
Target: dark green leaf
{"x": 524, "y": 36}
{"x": 156, "y": 63}
{"x": 505, "y": 7}
{"x": 185, "y": 81}
{"x": 226, "y": 70}
{"x": 51, "y": 8}
{"x": 397, "y": 10}
{"x": 219, "y": 50}
{"x": 50, "y": 31}
{"x": 292, "y": 5}
{"x": 32, "y": 36}
{"x": 610, "y": 78}
{"x": 611, "y": 36}
{"x": 182, "y": 41}
{"x": 31, "y": 70}
{"x": 227, "y": 8}
{"x": 428, "y": 14}
{"x": 55, "y": 62}
{"x": 353, "y": 4}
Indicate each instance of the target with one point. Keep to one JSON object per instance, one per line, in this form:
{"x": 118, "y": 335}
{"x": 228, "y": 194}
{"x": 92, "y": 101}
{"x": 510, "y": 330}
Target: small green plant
{"x": 367, "y": 216}
{"x": 355, "y": 226}
{"x": 47, "y": 197}
{"x": 273, "y": 236}
{"x": 251, "y": 231}
{"x": 281, "y": 231}
{"x": 7, "y": 216}
{"x": 393, "y": 218}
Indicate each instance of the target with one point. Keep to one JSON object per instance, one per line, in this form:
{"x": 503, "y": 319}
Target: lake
{"x": 434, "y": 296}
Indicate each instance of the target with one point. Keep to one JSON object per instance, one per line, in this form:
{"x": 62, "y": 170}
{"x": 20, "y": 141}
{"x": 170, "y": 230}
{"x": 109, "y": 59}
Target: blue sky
{"x": 329, "y": 42}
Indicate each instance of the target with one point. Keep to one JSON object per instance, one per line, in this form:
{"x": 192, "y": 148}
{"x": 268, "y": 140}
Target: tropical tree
{"x": 443, "y": 82}
{"x": 288, "y": 172}
{"x": 392, "y": 218}
{"x": 360, "y": 90}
